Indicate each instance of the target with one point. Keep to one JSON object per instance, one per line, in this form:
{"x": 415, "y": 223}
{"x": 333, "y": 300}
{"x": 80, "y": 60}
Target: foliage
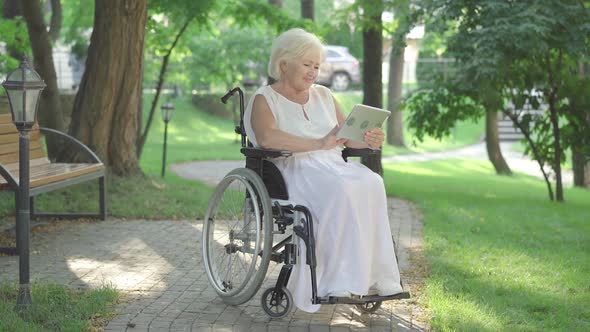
{"x": 78, "y": 20}
{"x": 500, "y": 256}
{"x": 435, "y": 113}
{"x": 512, "y": 57}
{"x": 14, "y": 38}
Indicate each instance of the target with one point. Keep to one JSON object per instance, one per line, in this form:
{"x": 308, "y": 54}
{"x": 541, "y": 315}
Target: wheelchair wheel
{"x": 277, "y": 304}
{"x": 369, "y": 307}
{"x": 237, "y": 236}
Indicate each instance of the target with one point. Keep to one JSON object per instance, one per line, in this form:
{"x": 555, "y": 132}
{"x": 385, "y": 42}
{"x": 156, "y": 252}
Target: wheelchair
{"x": 244, "y": 214}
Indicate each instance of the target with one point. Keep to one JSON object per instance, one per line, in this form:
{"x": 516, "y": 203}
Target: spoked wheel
{"x": 340, "y": 82}
{"x": 369, "y": 307}
{"x": 237, "y": 236}
{"x": 277, "y": 304}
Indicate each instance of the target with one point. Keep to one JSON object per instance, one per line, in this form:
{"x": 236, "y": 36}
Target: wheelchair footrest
{"x": 355, "y": 299}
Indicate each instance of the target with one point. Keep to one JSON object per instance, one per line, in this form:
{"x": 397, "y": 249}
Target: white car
{"x": 339, "y": 70}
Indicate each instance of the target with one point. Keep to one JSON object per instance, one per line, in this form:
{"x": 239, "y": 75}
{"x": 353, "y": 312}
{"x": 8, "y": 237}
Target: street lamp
{"x": 23, "y": 87}
{"x": 439, "y": 53}
{"x": 167, "y": 110}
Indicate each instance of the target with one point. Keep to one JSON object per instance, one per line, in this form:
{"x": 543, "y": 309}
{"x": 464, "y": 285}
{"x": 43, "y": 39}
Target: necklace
{"x": 304, "y": 112}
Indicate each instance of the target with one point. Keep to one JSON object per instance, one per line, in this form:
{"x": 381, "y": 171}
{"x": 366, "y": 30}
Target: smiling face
{"x": 301, "y": 73}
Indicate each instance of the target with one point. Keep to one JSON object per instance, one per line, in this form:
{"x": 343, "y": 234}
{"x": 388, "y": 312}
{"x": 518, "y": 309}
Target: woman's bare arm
{"x": 269, "y": 136}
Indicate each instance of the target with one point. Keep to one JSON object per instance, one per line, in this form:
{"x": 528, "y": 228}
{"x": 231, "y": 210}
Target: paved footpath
{"x": 158, "y": 268}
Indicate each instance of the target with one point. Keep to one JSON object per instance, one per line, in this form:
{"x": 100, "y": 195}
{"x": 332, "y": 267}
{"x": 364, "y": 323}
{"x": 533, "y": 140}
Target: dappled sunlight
{"x": 122, "y": 272}
{"x": 442, "y": 168}
{"x": 469, "y": 165}
{"x": 411, "y": 168}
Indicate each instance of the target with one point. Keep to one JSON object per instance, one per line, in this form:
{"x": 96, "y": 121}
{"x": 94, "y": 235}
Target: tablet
{"x": 362, "y": 119}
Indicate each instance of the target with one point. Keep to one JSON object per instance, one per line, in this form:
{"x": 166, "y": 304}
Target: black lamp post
{"x": 23, "y": 87}
{"x": 167, "y": 110}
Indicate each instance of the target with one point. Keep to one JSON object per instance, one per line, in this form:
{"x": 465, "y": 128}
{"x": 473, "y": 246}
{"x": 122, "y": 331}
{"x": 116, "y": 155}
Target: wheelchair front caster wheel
{"x": 277, "y": 304}
{"x": 369, "y": 307}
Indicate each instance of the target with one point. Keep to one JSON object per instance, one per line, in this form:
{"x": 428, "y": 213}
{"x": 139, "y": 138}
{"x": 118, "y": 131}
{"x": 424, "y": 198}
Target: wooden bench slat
{"x": 12, "y": 158}
{"x": 14, "y": 167}
{"x": 13, "y": 138}
{"x": 49, "y": 173}
{"x": 13, "y": 147}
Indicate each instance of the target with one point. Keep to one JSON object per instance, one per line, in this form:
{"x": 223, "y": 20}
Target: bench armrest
{"x": 76, "y": 142}
{"x": 350, "y": 152}
{"x": 9, "y": 177}
{"x": 264, "y": 153}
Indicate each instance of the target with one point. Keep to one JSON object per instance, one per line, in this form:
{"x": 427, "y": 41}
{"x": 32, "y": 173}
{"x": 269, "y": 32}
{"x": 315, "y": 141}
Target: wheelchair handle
{"x": 224, "y": 99}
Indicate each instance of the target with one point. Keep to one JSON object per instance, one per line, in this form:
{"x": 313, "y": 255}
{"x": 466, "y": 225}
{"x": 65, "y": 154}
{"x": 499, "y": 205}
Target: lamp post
{"x": 23, "y": 87}
{"x": 167, "y": 110}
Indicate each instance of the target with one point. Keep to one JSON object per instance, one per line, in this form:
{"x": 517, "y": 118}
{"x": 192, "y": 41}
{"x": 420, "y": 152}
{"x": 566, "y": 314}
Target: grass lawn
{"x": 56, "y": 308}
{"x": 501, "y": 256}
{"x": 195, "y": 135}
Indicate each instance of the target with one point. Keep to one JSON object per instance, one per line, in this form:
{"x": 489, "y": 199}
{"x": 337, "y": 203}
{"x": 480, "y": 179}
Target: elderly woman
{"x": 354, "y": 248}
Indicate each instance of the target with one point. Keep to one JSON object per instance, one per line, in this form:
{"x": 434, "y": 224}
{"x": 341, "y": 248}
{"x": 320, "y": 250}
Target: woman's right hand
{"x": 330, "y": 141}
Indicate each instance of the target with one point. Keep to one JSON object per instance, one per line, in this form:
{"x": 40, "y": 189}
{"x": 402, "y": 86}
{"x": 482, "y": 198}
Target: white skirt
{"x": 354, "y": 247}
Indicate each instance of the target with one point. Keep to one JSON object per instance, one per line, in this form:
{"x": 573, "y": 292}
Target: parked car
{"x": 340, "y": 69}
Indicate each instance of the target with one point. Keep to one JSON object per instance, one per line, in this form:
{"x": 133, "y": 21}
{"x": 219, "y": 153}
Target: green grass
{"x": 56, "y": 308}
{"x": 567, "y": 165}
{"x": 138, "y": 197}
{"x": 194, "y": 135}
{"x": 501, "y": 256}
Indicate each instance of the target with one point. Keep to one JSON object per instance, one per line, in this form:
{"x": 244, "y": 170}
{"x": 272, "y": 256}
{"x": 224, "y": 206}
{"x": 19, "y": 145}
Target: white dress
{"x": 354, "y": 248}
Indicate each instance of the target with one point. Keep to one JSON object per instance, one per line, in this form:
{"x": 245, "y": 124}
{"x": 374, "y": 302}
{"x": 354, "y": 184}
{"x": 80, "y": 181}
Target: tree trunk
{"x": 581, "y": 169}
{"x": 49, "y": 113}
{"x": 106, "y": 106}
{"x": 307, "y": 9}
{"x": 372, "y": 78}
{"x": 278, "y": 3}
{"x": 11, "y": 9}
{"x": 580, "y": 162}
{"x": 395, "y": 123}
{"x": 556, "y": 164}
{"x": 493, "y": 145}
{"x": 56, "y": 20}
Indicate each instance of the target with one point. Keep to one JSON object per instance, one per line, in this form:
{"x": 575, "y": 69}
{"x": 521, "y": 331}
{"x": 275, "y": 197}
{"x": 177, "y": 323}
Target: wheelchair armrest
{"x": 264, "y": 153}
{"x": 350, "y": 152}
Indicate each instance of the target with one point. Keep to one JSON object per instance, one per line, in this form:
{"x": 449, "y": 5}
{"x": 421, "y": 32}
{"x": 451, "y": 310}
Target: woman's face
{"x": 301, "y": 73}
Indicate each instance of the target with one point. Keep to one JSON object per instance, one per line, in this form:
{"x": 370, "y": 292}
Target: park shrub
{"x": 210, "y": 103}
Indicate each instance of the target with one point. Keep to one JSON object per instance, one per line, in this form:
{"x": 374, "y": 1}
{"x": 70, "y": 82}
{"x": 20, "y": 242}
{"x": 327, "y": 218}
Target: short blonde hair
{"x": 293, "y": 44}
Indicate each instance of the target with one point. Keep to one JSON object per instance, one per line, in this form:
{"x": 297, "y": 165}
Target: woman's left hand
{"x": 374, "y": 138}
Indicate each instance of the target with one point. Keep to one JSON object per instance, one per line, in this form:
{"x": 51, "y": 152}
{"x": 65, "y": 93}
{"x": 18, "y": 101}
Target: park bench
{"x": 46, "y": 175}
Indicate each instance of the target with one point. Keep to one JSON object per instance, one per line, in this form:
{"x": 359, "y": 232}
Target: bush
{"x": 211, "y": 104}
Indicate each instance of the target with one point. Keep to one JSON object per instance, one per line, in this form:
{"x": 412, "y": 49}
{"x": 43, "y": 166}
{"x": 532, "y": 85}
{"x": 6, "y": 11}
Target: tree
{"x": 372, "y": 65}
{"x": 578, "y": 113}
{"x": 17, "y": 42}
{"x": 402, "y": 25}
{"x": 512, "y": 57}
{"x": 106, "y": 106}
{"x": 50, "y": 112}
{"x": 278, "y": 3}
{"x": 307, "y": 9}
{"x": 179, "y": 15}
{"x": 56, "y": 20}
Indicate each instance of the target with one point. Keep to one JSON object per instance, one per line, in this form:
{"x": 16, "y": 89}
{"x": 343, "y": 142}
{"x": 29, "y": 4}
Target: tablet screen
{"x": 362, "y": 119}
